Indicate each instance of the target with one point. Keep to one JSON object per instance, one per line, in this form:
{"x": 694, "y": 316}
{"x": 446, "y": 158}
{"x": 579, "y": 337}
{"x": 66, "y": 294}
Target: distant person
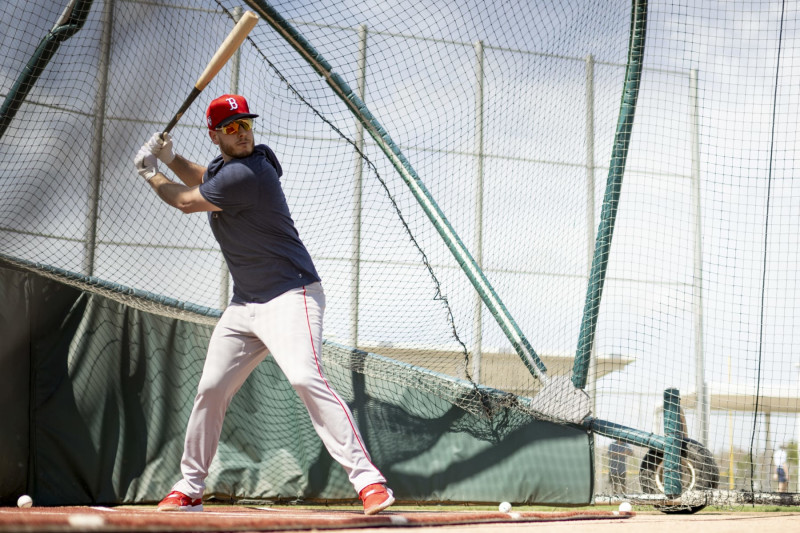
{"x": 618, "y": 453}
{"x": 781, "y": 472}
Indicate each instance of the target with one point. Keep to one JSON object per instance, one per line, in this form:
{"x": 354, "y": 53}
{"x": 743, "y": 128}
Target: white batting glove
{"x": 146, "y": 163}
{"x": 161, "y": 147}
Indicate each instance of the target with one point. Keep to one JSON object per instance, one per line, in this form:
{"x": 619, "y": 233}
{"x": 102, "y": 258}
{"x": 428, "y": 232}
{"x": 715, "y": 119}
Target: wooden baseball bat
{"x": 228, "y": 47}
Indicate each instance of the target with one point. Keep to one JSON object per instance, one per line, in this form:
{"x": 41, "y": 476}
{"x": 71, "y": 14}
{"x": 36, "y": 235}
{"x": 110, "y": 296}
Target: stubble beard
{"x": 235, "y": 150}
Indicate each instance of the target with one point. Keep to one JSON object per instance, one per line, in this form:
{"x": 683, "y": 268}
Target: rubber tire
{"x": 698, "y": 472}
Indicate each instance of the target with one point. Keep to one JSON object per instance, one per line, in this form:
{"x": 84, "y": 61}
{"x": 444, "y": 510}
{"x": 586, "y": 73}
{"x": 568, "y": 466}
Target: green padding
{"x": 112, "y": 388}
{"x": 458, "y": 457}
{"x": 14, "y": 385}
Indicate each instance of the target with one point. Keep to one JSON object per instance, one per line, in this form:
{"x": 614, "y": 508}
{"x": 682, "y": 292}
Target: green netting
{"x": 111, "y": 389}
{"x": 507, "y": 111}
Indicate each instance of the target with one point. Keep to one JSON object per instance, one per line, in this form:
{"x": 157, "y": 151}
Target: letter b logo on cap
{"x": 233, "y": 103}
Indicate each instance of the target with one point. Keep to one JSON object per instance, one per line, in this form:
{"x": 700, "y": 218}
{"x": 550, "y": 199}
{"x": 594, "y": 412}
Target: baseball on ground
{"x": 24, "y": 501}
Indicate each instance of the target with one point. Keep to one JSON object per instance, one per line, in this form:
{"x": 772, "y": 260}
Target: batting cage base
{"x": 97, "y": 394}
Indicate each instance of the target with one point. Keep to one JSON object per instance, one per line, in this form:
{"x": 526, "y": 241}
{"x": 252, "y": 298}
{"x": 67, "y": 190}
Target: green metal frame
{"x": 672, "y": 448}
{"x": 74, "y": 16}
{"x": 468, "y": 264}
{"x": 474, "y": 273}
{"x": 619, "y": 154}
{"x": 70, "y": 21}
{"x": 670, "y": 444}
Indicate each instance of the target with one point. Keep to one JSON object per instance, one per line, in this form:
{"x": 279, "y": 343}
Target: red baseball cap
{"x": 226, "y": 109}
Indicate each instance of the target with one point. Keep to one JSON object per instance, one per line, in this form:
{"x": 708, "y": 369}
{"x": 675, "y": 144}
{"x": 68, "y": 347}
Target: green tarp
{"x": 95, "y": 398}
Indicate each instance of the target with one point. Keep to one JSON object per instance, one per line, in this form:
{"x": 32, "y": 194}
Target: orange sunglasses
{"x": 233, "y": 127}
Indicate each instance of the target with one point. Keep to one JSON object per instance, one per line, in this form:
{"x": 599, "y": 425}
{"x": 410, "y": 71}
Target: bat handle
{"x": 171, "y": 125}
{"x": 186, "y": 103}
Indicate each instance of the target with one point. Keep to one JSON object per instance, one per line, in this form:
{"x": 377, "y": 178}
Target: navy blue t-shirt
{"x": 255, "y": 230}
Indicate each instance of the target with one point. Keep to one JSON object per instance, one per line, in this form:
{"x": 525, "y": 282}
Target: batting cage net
{"x": 457, "y": 171}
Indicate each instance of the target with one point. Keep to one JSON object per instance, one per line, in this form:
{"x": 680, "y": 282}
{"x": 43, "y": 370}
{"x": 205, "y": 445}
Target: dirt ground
{"x": 650, "y": 522}
{"x": 253, "y": 519}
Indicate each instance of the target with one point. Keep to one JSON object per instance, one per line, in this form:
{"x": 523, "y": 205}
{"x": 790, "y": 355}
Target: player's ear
{"x": 214, "y": 136}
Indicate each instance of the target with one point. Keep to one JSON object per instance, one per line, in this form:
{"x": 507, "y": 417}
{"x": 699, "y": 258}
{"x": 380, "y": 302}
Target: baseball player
{"x": 277, "y": 303}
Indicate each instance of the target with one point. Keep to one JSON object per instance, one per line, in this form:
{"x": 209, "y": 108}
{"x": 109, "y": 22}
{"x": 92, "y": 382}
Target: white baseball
{"x": 24, "y": 501}
{"x": 505, "y": 507}
{"x": 625, "y": 507}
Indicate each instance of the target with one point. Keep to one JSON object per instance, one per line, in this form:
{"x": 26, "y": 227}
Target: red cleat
{"x": 376, "y": 498}
{"x": 178, "y": 501}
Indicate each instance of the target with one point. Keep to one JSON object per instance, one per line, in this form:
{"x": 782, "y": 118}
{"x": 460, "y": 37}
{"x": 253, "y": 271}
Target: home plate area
{"x": 260, "y": 518}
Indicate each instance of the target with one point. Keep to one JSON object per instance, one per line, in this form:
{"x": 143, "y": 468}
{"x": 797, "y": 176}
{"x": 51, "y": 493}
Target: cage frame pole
{"x": 616, "y": 171}
{"x": 235, "y": 62}
{"x": 477, "y": 324}
{"x": 507, "y": 324}
{"x": 68, "y": 24}
{"x": 702, "y": 410}
{"x": 358, "y": 189}
{"x": 90, "y": 238}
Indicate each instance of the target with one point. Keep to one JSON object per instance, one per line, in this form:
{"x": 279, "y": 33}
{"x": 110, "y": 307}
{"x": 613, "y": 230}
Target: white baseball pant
{"x": 289, "y": 328}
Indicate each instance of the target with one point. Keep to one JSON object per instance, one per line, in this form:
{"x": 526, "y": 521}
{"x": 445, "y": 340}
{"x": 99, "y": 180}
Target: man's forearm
{"x": 167, "y": 189}
{"x": 187, "y": 199}
{"x": 189, "y": 173}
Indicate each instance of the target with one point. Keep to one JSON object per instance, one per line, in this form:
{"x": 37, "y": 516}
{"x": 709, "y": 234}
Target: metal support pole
{"x": 521, "y": 345}
{"x": 237, "y": 56}
{"x": 70, "y": 22}
{"x": 224, "y": 273}
{"x": 616, "y": 171}
{"x": 90, "y": 239}
{"x": 633, "y": 436}
{"x": 591, "y": 386}
{"x": 766, "y": 466}
{"x": 477, "y": 324}
{"x": 702, "y": 411}
{"x": 673, "y": 432}
{"x": 358, "y": 188}
{"x": 590, "y": 222}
